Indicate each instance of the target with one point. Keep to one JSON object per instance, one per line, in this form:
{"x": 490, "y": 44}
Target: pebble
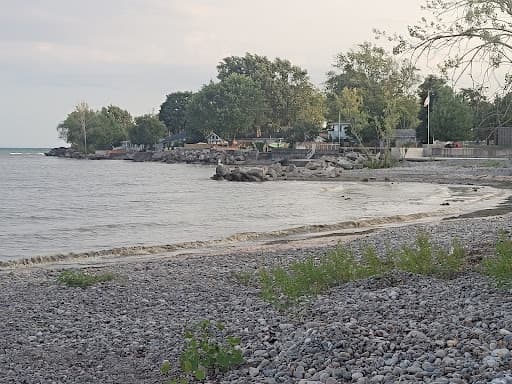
{"x": 400, "y": 326}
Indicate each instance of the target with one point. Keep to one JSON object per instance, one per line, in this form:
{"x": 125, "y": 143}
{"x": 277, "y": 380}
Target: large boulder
{"x": 258, "y": 173}
{"x": 315, "y": 165}
{"x": 222, "y": 170}
{"x": 344, "y": 163}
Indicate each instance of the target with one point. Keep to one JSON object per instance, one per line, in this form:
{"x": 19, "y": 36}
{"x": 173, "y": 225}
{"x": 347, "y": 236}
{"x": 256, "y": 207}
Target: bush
{"x": 82, "y": 279}
{"x": 499, "y": 267}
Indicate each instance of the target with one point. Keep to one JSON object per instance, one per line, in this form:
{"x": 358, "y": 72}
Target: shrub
{"x": 82, "y": 279}
{"x": 207, "y": 351}
{"x": 499, "y": 267}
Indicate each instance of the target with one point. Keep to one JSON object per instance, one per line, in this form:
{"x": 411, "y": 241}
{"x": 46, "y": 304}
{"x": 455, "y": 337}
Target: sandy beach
{"x": 394, "y": 328}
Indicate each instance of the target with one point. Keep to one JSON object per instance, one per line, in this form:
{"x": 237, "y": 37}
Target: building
{"x": 405, "y": 137}
{"x": 337, "y": 132}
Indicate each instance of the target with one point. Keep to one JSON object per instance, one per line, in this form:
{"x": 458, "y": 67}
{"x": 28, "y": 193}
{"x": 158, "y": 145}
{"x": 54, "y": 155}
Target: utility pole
{"x": 339, "y": 129}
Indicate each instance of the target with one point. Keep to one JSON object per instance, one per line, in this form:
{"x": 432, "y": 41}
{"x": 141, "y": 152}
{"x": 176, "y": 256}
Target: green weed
{"x": 82, "y": 279}
{"x": 207, "y": 351}
{"x": 425, "y": 259}
{"x": 286, "y": 286}
{"x": 499, "y": 267}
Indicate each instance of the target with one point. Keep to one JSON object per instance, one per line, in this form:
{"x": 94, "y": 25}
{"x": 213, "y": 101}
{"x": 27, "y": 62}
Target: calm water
{"x": 50, "y": 205}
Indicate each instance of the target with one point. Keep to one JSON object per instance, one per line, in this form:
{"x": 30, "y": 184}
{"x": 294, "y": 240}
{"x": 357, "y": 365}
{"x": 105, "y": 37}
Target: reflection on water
{"x": 52, "y": 205}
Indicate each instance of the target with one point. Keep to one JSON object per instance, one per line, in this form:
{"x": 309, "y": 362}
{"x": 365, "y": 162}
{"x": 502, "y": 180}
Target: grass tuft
{"x": 499, "y": 267}
{"x": 286, "y": 286}
{"x": 82, "y": 279}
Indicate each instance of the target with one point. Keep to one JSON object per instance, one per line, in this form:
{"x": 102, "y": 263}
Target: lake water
{"x": 50, "y": 205}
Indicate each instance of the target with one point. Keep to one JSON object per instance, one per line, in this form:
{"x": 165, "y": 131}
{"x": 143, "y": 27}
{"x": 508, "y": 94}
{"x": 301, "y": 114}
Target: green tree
{"x": 290, "y": 97}
{"x": 385, "y": 85}
{"x": 147, "y": 130}
{"x": 73, "y": 129}
{"x": 474, "y": 36}
{"x": 451, "y": 117}
{"x": 484, "y": 114}
{"x": 230, "y": 108}
{"x": 173, "y": 111}
{"x": 350, "y": 103}
{"x": 111, "y": 127}
{"x": 101, "y": 129}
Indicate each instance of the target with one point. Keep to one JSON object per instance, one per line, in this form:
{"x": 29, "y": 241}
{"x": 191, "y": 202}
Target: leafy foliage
{"x": 286, "y": 286}
{"x": 173, "y": 111}
{"x": 499, "y": 267}
{"x": 473, "y": 36}
{"x": 207, "y": 350}
{"x": 450, "y": 115}
{"x": 82, "y": 279}
{"x": 385, "y": 86}
{"x": 230, "y": 108}
{"x": 104, "y": 128}
{"x": 147, "y": 130}
{"x": 289, "y": 96}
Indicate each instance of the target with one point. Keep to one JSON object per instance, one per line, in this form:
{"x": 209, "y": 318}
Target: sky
{"x": 131, "y": 53}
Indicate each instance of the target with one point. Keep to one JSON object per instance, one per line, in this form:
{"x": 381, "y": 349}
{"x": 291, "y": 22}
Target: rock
{"x": 299, "y": 372}
{"x": 254, "y": 371}
{"x": 501, "y": 353}
{"x": 314, "y": 165}
{"x": 344, "y": 163}
{"x": 222, "y": 170}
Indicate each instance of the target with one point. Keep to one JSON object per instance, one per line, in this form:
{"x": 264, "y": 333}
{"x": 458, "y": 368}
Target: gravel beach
{"x": 394, "y": 328}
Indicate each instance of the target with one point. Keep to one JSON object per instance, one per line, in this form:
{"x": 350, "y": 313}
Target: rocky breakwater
{"x": 65, "y": 152}
{"x": 329, "y": 167}
{"x": 196, "y": 156}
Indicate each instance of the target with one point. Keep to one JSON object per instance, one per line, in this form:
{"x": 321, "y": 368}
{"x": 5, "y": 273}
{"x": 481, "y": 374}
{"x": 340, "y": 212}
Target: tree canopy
{"x": 147, "y": 130}
{"x": 173, "y": 111}
{"x": 451, "y": 117}
{"x": 289, "y": 95}
{"x": 104, "y": 129}
{"x": 385, "y": 89}
{"x": 230, "y": 108}
{"x": 474, "y": 36}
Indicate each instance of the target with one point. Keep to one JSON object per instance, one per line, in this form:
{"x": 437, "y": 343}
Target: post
{"x": 428, "y": 119}
{"x": 339, "y": 130}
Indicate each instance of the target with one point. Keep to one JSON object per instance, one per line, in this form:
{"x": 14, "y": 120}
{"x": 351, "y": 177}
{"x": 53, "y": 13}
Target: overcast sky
{"x": 131, "y": 53}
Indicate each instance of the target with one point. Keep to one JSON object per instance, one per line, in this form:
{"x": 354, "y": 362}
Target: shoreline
{"x": 399, "y": 327}
{"x": 499, "y": 203}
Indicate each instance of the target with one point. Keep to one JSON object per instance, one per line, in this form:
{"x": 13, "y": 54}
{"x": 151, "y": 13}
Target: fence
{"x": 505, "y": 153}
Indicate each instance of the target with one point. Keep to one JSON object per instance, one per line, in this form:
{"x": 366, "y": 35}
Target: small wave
{"x": 235, "y": 238}
{"x": 26, "y": 153}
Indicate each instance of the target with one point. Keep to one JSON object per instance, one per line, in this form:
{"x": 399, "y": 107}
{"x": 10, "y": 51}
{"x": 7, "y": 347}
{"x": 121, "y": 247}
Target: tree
{"x": 112, "y": 127}
{"x": 385, "y": 86}
{"x": 485, "y": 115}
{"x": 450, "y": 115}
{"x": 99, "y": 129}
{"x": 474, "y": 36}
{"x": 351, "y": 106}
{"x": 230, "y": 108}
{"x": 290, "y": 97}
{"x": 173, "y": 111}
{"x": 148, "y": 130}
{"x": 73, "y": 129}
